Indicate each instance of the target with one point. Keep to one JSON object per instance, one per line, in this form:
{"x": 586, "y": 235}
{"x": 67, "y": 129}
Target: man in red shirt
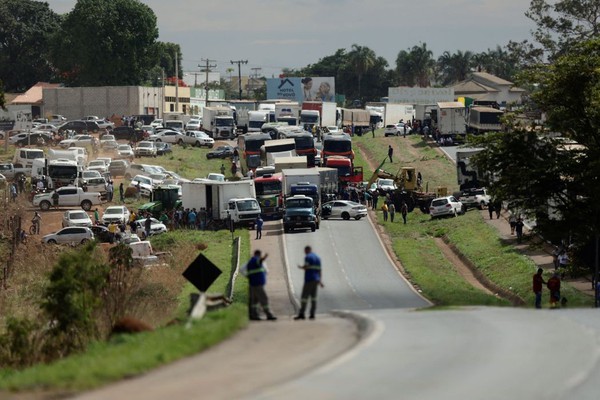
{"x": 538, "y": 282}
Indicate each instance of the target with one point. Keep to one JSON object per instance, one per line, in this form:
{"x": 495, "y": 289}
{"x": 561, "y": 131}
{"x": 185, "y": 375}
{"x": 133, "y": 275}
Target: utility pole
{"x": 254, "y": 78}
{"x": 207, "y": 69}
{"x": 176, "y": 83}
{"x": 239, "y": 63}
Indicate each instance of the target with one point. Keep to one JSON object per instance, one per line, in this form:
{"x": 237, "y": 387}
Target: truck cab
{"x": 347, "y": 172}
{"x": 243, "y": 211}
{"x": 299, "y": 214}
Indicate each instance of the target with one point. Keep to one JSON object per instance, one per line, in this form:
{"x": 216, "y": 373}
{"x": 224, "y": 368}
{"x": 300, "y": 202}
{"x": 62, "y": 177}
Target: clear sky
{"x": 275, "y": 34}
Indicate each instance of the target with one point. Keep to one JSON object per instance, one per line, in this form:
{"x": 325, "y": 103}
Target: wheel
{"x": 158, "y": 140}
{"x": 84, "y": 241}
{"x": 197, "y": 144}
{"x": 45, "y": 205}
{"x": 357, "y": 218}
{"x": 180, "y": 142}
{"x": 210, "y": 146}
{"x": 86, "y": 205}
{"x": 345, "y": 216}
{"x": 313, "y": 228}
{"x": 32, "y": 230}
{"x": 52, "y": 241}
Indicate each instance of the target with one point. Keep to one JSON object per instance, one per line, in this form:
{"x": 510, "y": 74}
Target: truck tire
{"x": 45, "y": 205}
{"x": 86, "y": 205}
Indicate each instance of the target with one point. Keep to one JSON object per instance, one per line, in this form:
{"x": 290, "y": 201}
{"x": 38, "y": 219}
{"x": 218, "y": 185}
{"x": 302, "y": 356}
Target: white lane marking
{"x": 290, "y": 284}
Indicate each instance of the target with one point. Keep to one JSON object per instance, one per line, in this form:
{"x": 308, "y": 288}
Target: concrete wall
{"x": 104, "y": 101}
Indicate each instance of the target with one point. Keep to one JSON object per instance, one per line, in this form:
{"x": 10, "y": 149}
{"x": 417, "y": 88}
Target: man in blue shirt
{"x": 257, "y": 277}
{"x": 258, "y": 224}
{"x": 312, "y": 280}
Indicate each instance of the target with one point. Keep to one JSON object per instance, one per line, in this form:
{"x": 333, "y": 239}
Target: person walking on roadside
{"x": 373, "y": 130}
{"x": 538, "y": 281}
{"x": 519, "y": 229}
{"x": 498, "y": 208}
{"x": 312, "y": 280}
{"x": 375, "y": 199}
{"x": 491, "y": 209}
{"x": 258, "y": 223}
{"x": 121, "y": 193}
{"x": 257, "y": 276}
{"x": 392, "y": 211}
{"x": 96, "y": 216}
{"x": 512, "y": 221}
{"x": 390, "y": 152}
{"x": 384, "y": 208}
{"x": 404, "y": 211}
{"x": 554, "y": 287}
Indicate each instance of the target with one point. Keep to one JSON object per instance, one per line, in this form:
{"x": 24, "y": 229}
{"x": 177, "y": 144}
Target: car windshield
{"x": 337, "y": 146}
{"x": 386, "y": 182}
{"x": 113, "y": 211}
{"x": 439, "y": 202}
{"x": 299, "y": 203}
{"x": 269, "y": 187}
{"x": 96, "y": 163}
{"x": 91, "y": 174}
{"x": 247, "y": 205}
{"x": 78, "y": 215}
{"x": 124, "y": 147}
{"x": 147, "y": 144}
{"x": 108, "y": 137}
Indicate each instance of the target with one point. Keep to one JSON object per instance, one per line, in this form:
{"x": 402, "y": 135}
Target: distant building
{"x": 482, "y": 86}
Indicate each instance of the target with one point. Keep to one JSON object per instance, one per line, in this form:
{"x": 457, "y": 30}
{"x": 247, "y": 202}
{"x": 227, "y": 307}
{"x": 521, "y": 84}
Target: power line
{"x": 239, "y": 63}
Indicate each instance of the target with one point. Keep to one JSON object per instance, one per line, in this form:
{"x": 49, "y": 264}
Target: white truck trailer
{"x": 218, "y": 122}
{"x": 223, "y": 200}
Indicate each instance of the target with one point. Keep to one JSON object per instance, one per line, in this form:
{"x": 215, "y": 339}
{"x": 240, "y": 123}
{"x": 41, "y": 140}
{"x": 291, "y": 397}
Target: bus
{"x": 249, "y": 145}
{"x": 305, "y": 143}
{"x": 337, "y": 144}
{"x": 273, "y": 148}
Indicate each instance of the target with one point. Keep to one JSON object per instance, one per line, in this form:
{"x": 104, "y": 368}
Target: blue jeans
{"x": 538, "y": 299}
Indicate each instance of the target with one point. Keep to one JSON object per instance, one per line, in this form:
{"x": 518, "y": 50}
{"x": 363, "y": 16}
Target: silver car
{"x": 344, "y": 209}
{"x": 70, "y": 235}
{"x": 76, "y": 218}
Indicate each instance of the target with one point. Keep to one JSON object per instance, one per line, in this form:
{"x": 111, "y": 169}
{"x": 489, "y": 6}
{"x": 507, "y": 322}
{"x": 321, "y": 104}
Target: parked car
{"x": 475, "y": 198}
{"x": 104, "y": 124}
{"x": 97, "y": 165}
{"x": 79, "y": 126}
{"x": 145, "y": 148}
{"x": 198, "y": 139}
{"x": 168, "y": 136}
{"x": 445, "y": 206}
{"x": 220, "y": 152}
{"x": 118, "y": 167}
{"x": 47, "y": 128}
{"x": 141, "y": 169}
{"x": 146, "y": 185}
{"x": 125, "y": 151}
{"x": 70, "y": 235}
{"x": 391, "y": 130}
{"x": 400, "y": 126}
{"x": 156, "y": 227}
{"x": 107, "y": 137}
{"x": 77, "y": 140}
{"x": 37, "y": 138}
{"x": 157, "y": 123}
{"x": 127, "y": 133}
{"x": 102, "y": 234}
{"x": 117, "y": 214}
{"x": 163, "y": 148}
{"x": 344, "y": 209}
{"x": 76, "y": 218}
{"x": 193, "y": 125}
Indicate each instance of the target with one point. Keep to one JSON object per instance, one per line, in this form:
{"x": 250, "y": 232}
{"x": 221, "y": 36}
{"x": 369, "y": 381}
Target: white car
{"x": 145, "y": 148}
{"x": 157, "y": 123}
{"x": 97, "y": 165}
{"x": 198, "y": 139}
{"x": 106, "y": 138}
{"x": 146, "y": 185}
{"x": 156, "y": 227}
{"x": 391, "y": 130}
{"x": 124, "y": 151}
{"x": 400, "y": 126}
{"x": 104, "y": 124}
{"x": 332, "y": 129}
{"x": 387, "y": 185}
{"x": 193, "y": 125}
{"x": 445, "y": 206}
{"x": 168, "y": 136}
{"x": 70, "y": 235}
{"x": 475, "y": 198}
{"x": 76, "y": 218}
{"x": 118, "y": 214}
{"x": 344, "y": 209}
{"x": 77, "y": 140}
{"x": 47, "y": 128}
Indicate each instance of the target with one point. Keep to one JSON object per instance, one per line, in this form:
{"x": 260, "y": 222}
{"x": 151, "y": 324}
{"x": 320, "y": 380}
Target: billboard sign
{"x": 417, "y": 95}
{"x": 301, "y": 89}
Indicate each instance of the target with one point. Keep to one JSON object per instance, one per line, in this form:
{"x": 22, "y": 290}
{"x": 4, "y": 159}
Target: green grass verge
{"x": 415, "y": 247}
{"x": 129, "y": 355}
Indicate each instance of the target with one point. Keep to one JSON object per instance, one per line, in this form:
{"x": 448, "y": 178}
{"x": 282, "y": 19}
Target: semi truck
{"x": 305, "y": 142}
{"x": 223, "y": 200}
{"x": 256, "y": 119}
{"x": 218, "y": 122}
{"x": 269, "y": 193}
{"x": 451, "y": 120}
{"x": 483, "y": 119}
{"x": 277, "y": 148}
{"x": 319, "y": 113}
{"x": 241, "y": 109}
{"x": 287, "y": 112}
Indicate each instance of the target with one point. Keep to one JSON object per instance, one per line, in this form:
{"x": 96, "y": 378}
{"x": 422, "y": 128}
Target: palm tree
{"x": 455, "y": 67}
{"x": 361, "y": 59}
{"x": 415, "y": 66}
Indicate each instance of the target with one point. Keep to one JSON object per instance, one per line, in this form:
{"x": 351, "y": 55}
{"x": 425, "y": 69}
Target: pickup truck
{"x": 68, "y": 196}
{"x": 475, "y": 198}
{"x": 11, "y": 172}
{"x": 198, "y": 139}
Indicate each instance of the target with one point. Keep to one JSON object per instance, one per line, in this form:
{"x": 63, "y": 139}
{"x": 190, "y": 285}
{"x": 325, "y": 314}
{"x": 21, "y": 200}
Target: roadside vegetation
{"x": 415, "y": 246}
{"x": 33, "y": 355}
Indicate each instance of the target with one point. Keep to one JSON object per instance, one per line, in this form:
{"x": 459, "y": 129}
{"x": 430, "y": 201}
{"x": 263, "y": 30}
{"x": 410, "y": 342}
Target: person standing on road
{"x": 110, "y": 190}
{"x": 96, "y": 216}
{"x": 121, "y": 193}
{"x": 373, "y": 130}
{"x": 384, "y": 208}
{"x": 519, "y": 229}
{"x": 257, "y": 276}
{"x": 312, "y": 280}
{"x": 512, "y": 221}
{"x": 37, "y": 222}
{"x": 375, "y": 198}
{"x": 538, "y": 281}
{"x": 258, "y": 223}
{"x": 404, "y": 211}
{"x": 390, "y": 152}
{"x": 147, "y": 226}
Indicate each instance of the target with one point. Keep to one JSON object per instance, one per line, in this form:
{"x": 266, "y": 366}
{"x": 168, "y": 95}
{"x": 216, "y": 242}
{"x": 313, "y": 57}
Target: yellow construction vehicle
{"x": 408, "y": 188}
